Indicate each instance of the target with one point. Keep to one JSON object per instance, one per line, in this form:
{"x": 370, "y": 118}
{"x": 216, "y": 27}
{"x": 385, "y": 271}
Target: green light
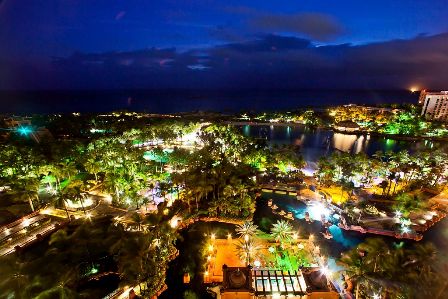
{"x": 93, "y": 270}
{"x": 24, "y": 131}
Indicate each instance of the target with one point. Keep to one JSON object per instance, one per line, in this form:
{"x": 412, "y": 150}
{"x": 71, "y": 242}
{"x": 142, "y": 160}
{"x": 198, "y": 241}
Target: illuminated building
{"x": 435, "y": 105}
{"x": 248, "y": 283}
{"x": 347, "y": 126}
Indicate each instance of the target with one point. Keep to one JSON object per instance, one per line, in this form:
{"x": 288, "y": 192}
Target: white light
{"x": 325, "y": 271}
{"x": 108, "y": 198}
{"x": 174, "y": 222}
{"x": 316, "y": 211}
{"x": 246, "y": 238}
{"x": 212, "y": 236}
{"x": 88, "y": 215}
{"x": 300, "y": 246}
{"x": 271, "y": 249}
{"x": 128, "y": 201}
{"x": 26, "y": 222}
{"x": 398, "y": 214}
{"x": 276, "y": 296}
{"x": 257, "y": 264}
{"x": 376, "y": 296}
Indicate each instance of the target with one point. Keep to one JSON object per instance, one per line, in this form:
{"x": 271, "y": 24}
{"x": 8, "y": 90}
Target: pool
{"x": 341, "y": 240}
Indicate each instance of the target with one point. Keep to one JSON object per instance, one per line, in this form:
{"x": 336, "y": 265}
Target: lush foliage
{"x": 391, "y": 271}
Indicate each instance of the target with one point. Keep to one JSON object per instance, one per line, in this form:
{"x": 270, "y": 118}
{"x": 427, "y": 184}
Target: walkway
{"x": 25, "y": 231}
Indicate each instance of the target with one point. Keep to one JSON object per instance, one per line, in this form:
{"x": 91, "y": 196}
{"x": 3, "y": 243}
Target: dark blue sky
{"x": 223, "y": 44}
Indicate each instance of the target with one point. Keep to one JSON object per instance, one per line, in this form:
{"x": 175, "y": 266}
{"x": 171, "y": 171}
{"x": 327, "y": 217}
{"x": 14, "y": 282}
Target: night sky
{"x": 289, "y": 44}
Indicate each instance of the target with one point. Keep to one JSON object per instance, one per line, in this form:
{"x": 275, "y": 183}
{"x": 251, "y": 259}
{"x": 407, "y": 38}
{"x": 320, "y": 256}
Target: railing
{"x": 19, "y": 221}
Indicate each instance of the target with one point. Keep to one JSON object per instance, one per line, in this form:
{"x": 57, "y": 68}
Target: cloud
{"x": 267, "y": 43}
{"x": 313, "y": 25}
{"x": 120, "y": 15}
{"x": 266, "y": 61}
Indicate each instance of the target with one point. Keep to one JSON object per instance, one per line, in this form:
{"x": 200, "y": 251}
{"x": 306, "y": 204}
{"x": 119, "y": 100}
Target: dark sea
{"x": 174, "y": 101}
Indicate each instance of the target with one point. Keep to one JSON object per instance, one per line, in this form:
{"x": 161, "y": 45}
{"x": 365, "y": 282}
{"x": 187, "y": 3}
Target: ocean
{"x": 175, "y": 101}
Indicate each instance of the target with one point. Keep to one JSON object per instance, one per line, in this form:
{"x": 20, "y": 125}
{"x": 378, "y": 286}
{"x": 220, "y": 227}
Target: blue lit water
{"x": 315, "y": 143}
{"x": 341, "y": 241}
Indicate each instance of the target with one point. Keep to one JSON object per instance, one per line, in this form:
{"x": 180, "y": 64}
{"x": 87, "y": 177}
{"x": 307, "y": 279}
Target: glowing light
{"x": 311, "y": 237}
{"x": 376, "y": 296}
{"x": 7, "y": 231}
{"x": 295, "y": 236}
{"x": 324, "y": 270}
{"x": 246, "y": 238}
{"x": 206, "y": 273}
{"x": 398, "y": 214}
{"x": 174, "y": 222}
{"x": 413, "y": 89}
{"x": 94, "y": 270}
{"x": 24, "y": 130}
{"x": 257, "y": 263}
{"x": 229, "y": 236}
{"x": 89, "y": 215}
{"x": 47, "y": 211}
{"x": 212, "y": 236}
{"x": 26, "y": 222}
{"x": 316, "y": 210}
{"x": 210, "y": 247}
{"x": 209, "y": 258}
{"x": 271, "y": 249}
{"x": 405, "y": 229}
{"x": 128, "y": 201}
{"x": 300, "y": 246}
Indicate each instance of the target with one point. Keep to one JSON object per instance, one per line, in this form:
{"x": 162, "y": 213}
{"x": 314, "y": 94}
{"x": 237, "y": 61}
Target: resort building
{"x": 252, "y": 283}
{"x": 17, "y": 121}
{"x": 435, "y": 105}
{"x": 347, "y": 126}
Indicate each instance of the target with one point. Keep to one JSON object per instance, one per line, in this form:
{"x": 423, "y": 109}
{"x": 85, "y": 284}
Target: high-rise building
{"x": 435, "y": 105}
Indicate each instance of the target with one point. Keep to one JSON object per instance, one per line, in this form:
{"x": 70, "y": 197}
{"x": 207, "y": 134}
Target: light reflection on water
{"x": 339, "y": 237}
{"x": 315, "y": 143}
{"x": 318, "y": 142}
{"x": 341, "y": 241}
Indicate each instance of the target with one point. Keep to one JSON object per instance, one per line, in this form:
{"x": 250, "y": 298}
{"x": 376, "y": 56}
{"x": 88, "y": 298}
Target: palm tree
{"x": 75, "y": 191}
{"x": 247, "y": 249}
{"x": 357, "y": 270}
{"x": 13, "y": 278}
{"x": 246, "y": 229}
{"x": 282, "y": 231}
{"x": 26, "y": 189}
{"x": 375, "y": 249}
{"x": 93, "y": 167}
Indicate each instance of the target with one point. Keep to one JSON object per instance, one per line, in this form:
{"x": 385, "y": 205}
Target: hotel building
{"x": 435, "y": 105}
